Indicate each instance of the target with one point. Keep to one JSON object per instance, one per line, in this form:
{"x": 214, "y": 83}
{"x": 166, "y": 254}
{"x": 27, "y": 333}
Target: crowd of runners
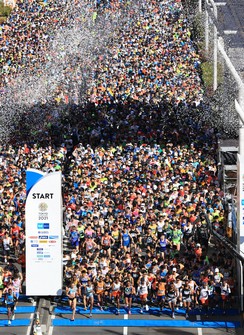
{"x": 139, "y": 171}
{"x": 151, "y": 59}
{"x": 139, "y": 219}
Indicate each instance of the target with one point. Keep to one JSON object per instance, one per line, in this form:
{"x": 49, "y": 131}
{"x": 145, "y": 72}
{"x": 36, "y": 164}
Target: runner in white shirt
{"x": 203, "y": 293}
{"x": 16, "y": 284}
{"x": 225, "y": 293}
{"x": 116, "y": 290}
{"x": 178, "y": 285}
{"x": 142, "y": 291}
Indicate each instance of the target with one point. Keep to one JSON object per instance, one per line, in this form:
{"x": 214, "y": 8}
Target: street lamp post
{"x": 200, "y": 6}
{"x": 215, "y": 51}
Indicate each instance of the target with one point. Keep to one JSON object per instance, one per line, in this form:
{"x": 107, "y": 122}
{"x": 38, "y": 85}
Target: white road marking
{"x": 125, "y": 329}
{"x": 230, "y": 32}
{"x": 220, "y": 3}
{"x": 29, "y": 328}
{"x": 199, "y": 330}
{"x": 50, "y": 331}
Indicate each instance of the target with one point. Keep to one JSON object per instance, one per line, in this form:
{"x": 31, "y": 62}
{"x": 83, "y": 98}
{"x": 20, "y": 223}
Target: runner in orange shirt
{"x": 99, "y": 289}
{"x": 161, "y": 285}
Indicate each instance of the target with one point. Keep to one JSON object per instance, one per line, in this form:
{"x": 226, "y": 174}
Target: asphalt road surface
{"x": 231, "y": 20}
{"x": 137, "y": 324}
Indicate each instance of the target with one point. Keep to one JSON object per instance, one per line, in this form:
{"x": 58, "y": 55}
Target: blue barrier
{"x": 136, "y": 310}
{"x": 143, "y": 323}
{"x": 19, "y": 309}
{"x": 15, "y": 323}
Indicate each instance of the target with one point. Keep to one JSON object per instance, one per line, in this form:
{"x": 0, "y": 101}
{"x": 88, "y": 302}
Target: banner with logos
{"x": 44, "y": 271}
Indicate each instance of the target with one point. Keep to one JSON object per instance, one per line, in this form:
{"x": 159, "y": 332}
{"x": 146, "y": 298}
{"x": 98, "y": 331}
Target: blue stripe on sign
{"x": 143, "y": 323}
{"x": 15, "y": 323}
{"x": 19, "y": 309}
{"x": 32, "y": 177}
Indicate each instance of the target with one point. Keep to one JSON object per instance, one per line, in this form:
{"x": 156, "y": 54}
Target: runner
{"x": 99, "y": 288}
{"x": 17, "y": 288}
{"x": 116, "y": 289}
{"x": 72, "y": 293}
{"x": 7, "y": 244}
{"x": 185, "y": 297}
{"x": 193, "y": 287}
{"x": 10, "y": 304}
{"x": 21, "y": 242}
{"x": 142, "y": 291}
{"x": 89, "y": 245}
{"x": 106, "y": 243}
{"x": 161, "y": 289}
{"x": 225, "y": 294}
{"x": 178, "y": 285}
{"x": 176, "y": 237}
{"x": 83, "y": 283}
{"x": 126, "y": 240}
{"x": 198, "y": 252}
{"x": 171, "y": 297}
{"x": 74, "y": 238}
{"x": 116, "y": 235}
{"x": 203, "y": 296}
{"x": 149, "y": 240}
{"x": 107, "y": 290}
{"x": 129, "y": 291}
{"x": 162, "y": 245}
{"x": 89, "y": 296}
{"x": 188, "y": 234}
{"x": 14, "y": 233}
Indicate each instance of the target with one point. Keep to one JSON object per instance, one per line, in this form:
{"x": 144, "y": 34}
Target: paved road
{"x": 173, "y": 329}
{"x": 97, "y": 324}
{"x": 23, "y": 315}
{"x": 231, "y": 19}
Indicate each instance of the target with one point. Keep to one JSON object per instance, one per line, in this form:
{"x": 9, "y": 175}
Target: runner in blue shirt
{"x": 126, "y": 240}
{"x": 74, "y": 238}
{"x": 10, "y": 300}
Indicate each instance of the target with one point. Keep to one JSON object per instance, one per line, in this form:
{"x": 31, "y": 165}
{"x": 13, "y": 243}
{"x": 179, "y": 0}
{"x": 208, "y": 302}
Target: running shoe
{"x": 90, "y": 315}
{"x": 13, "y": 317}
{"x": 147, "y": 308}
{"x": 129, "y": 311}
{"x": 141, "y": 311}
{"x": 173, "y": 315}
{"x": 9, "y": 322}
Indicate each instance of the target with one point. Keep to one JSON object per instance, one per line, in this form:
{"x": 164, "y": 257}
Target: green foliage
{"x": 207, "y": 74}
{"x": 4, "y": 10}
